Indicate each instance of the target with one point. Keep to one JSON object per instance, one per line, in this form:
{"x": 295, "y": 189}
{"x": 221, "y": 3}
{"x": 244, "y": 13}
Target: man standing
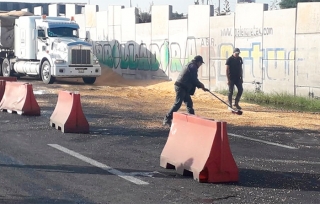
{"x": 185, "y": 86}
{"x": 235, "y": 76}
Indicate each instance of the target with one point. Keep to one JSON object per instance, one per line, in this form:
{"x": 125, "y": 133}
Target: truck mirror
{"x": 41, "y": 34}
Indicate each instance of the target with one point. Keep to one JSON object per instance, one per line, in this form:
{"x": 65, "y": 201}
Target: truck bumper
{"x": 74, "y": 72}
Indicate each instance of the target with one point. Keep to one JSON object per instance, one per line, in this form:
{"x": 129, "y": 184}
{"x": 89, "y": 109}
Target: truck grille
{"x": 80, "y": 57}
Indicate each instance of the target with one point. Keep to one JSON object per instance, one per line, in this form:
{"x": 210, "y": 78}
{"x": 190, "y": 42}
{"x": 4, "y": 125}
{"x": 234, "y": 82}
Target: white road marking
{"x": 145, "y": 174}
{"x": 109, "y": 169}
{"x": 262, "y": 141}
{"x": 39, "y": 92}
{"x": 286, "y": 161}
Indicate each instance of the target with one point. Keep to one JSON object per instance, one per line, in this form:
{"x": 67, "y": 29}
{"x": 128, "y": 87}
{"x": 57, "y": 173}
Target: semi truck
{"x": 47, "y": 48}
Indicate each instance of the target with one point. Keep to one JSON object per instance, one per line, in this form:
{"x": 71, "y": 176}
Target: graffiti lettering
{"x": 133, "y": 56}
{"x": 259, "y": 63}
{"x": 176, "y": 64}
{"x": 255, "y": 59}
{"x": 226, "y": 32}
{"x": 246, "y": 32}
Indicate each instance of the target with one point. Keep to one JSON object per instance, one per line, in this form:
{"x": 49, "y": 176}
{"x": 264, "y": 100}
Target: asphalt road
{"x": 113, "y": 164}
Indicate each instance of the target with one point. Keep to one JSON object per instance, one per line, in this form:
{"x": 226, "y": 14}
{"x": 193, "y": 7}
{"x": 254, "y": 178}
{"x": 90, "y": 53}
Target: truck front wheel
{"x": 1, "y": 60}
{"x": 89, "y": 80}
{"x": 6, "y": 70}
{"x": 45, "y": 73}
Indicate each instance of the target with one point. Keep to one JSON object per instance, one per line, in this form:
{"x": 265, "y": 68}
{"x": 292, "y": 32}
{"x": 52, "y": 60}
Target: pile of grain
{"x": 157, "y": 97}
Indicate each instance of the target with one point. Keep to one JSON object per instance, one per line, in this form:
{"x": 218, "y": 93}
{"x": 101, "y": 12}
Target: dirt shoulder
{"x": 155, "y": 97}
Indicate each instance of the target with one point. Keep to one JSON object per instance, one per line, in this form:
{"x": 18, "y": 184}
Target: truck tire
{"x": 1, "y": 60}
{"x": 89, "y": 80}
{"x": 45, "y": 73}
{"x": 6, "y": 68}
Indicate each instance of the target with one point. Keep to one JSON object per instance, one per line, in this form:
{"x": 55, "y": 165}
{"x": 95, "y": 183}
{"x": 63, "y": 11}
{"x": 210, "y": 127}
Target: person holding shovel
{"x": 234, "y": 74}
{"x": 185, "y": 86}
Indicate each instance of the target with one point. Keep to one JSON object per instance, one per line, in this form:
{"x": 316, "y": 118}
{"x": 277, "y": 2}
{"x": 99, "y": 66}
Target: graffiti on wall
{"x": 172, "y": 57}
{"x": 148, "y": 57}
{"x": 262, "y": 63}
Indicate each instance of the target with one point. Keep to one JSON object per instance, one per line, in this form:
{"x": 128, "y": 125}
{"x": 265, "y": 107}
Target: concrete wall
{"x": 221, "y": 47}
{"x": 159, "y": 47}
{"x": 9, "y": 6}
{"x": 178, "y": 33}
{"x": 54, "y": 10}
{"x": 279, "y": 48}
{"x": 38, "y": 10}
{"x": 307, "y": 72}
{"x": 198, "y": 38}
{"x": 248, "y": 32}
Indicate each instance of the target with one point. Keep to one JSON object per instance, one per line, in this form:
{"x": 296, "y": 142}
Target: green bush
{"x": 279, "y": 100}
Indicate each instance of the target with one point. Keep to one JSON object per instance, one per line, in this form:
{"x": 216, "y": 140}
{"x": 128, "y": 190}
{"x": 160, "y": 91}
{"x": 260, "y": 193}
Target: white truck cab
{"x": 50, "y": 48}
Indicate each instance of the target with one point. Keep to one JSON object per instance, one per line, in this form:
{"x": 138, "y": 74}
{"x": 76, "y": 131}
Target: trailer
{"x": 45, "y": 47}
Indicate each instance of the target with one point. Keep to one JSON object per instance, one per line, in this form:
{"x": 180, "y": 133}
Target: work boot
{"x": 237, "y": 106}
{"x": 166, "y": 121}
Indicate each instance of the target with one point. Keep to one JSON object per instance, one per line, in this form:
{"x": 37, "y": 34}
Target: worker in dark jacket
{"x": 185, "y": 86}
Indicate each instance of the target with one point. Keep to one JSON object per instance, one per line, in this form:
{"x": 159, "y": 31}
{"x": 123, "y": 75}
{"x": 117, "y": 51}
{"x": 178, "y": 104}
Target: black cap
{"x": 236, "y": 50}
{"x": 198, "y": 58}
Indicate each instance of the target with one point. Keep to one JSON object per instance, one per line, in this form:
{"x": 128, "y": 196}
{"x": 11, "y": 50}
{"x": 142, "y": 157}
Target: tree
{"x": 274, "y": 5}
{"x": 145, "y": 17}
{"x": 225, "y": 10}
{"x": 293, "y": 3}
{"x": 177, "y": 15}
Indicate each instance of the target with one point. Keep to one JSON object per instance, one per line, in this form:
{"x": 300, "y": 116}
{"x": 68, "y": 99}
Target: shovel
{"x": 234, "y": 111}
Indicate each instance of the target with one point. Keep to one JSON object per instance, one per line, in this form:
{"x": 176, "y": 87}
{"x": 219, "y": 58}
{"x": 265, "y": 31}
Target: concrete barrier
{"x": 68, "y": 115}
{"x": 200, "y": 146}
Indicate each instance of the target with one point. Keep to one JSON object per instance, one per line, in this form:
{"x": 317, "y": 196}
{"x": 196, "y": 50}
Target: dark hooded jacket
{"x": 188, "y": 78}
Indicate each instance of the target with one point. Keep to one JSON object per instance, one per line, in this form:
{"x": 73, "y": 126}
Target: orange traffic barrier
{"x": 200, "y": 146}
{"x": 68, "y": 115}
{"x": 19, "y": 98}
{"x": 8, "y": 78}
{"x": 3, "y": 84}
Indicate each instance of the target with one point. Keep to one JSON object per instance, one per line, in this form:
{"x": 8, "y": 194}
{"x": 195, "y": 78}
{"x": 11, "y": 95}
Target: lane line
{"x": 109, "y": 169}
{"x": 263, "y": 141}
{"x": 284, "y": 161}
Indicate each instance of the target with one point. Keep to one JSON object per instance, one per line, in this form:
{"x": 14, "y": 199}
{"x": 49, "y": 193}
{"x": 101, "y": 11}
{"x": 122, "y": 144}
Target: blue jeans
{"x": 182, "y": 95}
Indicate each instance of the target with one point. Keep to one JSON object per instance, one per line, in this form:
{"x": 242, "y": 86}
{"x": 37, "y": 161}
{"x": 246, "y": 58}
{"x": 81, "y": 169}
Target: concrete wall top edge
{"x": 222, "y": 16}
{"x": 281, "y": 10}
{"x": 252, "y": 5}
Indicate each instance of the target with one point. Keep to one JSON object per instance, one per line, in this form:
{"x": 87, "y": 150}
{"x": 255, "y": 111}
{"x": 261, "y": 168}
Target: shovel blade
{"x": 237, "y": 112}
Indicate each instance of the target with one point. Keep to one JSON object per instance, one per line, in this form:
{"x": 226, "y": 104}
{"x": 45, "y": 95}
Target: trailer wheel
{"x": 89, "y": 80}
{"x": 6, "y": 69}
{"x": 1, "y": 60}
{"x": 45, "y": 73}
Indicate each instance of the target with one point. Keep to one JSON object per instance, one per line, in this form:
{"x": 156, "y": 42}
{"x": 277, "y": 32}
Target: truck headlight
{"x": 59, "y": 61}
{"x": 96, "y": 61}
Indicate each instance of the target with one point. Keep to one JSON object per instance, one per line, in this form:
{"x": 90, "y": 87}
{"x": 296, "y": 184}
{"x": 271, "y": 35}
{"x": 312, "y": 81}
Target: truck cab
{"x": 50, "y": 48}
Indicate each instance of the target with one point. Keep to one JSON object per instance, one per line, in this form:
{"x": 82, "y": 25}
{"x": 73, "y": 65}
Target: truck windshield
{"x": 63, "y": 32}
